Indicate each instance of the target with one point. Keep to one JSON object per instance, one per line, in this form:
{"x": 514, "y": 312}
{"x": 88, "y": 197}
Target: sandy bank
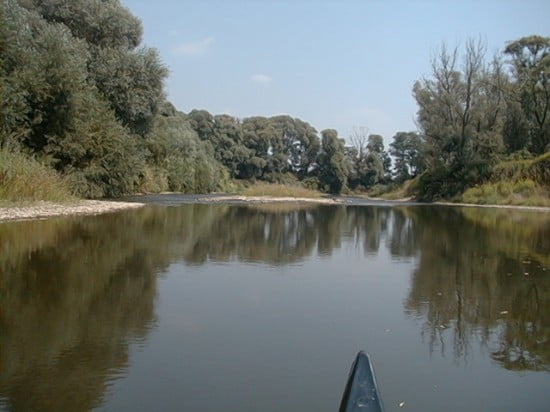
{"x": 353, "y": 201}
{"x": 41, "y": 210}
{"x": 273, "y": 199}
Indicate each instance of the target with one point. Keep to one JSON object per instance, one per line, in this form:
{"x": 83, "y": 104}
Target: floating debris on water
{"x": 401, "y": 404}
{"x": 503, "y": 312}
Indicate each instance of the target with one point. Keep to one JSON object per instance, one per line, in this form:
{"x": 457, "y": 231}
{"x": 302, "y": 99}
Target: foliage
{"x": 182, "y": 162}
{"x": 76, "y": 93}
{"x": 515, "y": 182}
{"x": 83, "y": 97}
{"x": 473, "y": 114}
{"x": 531, "y": 63}
{"x": 448, "y": 182}
{"x": 23, "y": 178}
{"x": 369, "y": 163}
{"x": 523, "y": 192}
{"x": 407, "y": 149}
{"x": 333, "y": 169}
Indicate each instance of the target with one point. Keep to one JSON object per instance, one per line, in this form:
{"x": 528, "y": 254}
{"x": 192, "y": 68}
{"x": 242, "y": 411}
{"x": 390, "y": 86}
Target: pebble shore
{"x": 41, "y": 210}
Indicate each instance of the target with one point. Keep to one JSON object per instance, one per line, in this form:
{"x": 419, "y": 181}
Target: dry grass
{"x": 404, "y": 191}
{"x": 516, "y": 182}
{"x": 23, "y": 180}
{"x": 519, "y": 193}
{"x": 279, "y": 190}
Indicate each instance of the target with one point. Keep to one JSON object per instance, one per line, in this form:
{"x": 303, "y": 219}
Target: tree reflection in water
{"x": 76, "y": 292}
{"x": 483, "y": 276}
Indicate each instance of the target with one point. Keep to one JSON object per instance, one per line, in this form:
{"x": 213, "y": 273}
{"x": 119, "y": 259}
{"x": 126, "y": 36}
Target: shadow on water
{"x": 76, "y": 292}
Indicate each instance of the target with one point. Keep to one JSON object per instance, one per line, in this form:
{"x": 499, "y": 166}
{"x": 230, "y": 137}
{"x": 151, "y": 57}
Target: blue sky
{"x": 334, "y": 64}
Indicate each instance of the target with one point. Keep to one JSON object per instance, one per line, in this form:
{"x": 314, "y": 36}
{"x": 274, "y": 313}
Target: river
{"x": 185, "y": 306}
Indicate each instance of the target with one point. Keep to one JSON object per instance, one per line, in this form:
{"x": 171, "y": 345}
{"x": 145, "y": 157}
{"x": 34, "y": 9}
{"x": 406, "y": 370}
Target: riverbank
{"x": 42, "y": 210}
{"x": 274, "y": 199}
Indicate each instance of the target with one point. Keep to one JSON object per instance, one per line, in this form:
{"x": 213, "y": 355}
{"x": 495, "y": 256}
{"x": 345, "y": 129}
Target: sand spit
{"x": 42, "y": 210}
{"x": 272, "y": 199}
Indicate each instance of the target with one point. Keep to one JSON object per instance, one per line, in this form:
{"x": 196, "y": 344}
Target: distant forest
{"x": 84, "y": 97}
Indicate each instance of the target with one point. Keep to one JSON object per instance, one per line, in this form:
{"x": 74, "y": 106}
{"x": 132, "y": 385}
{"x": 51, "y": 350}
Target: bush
{"x": 449, "y": 182}
{"x": 23, "y": 178}
{"x": 311, "y": 183}
{"x": 522, "y": 192}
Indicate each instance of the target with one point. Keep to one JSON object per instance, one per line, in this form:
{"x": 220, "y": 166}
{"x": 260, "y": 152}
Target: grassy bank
{"x": 517, "y": 182}
{"x": 524, "y": 182}
{"x": 23, "y": 179}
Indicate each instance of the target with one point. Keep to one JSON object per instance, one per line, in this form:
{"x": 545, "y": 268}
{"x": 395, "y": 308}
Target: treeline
{"x": 475, "y": 112}
{"x": 81, "y": 95}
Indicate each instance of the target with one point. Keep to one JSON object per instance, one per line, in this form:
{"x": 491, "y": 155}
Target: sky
{"x": 334, "y": 64}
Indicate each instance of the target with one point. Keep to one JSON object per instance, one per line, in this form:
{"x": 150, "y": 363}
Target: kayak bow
{"x": 361, "y": 393}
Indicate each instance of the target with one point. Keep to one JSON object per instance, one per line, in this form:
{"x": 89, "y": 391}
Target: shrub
{"x": 23, "y": 178}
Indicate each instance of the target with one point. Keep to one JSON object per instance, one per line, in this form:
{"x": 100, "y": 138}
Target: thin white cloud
{"x": 261, "y": 78}
{"x": 195, "y": 48}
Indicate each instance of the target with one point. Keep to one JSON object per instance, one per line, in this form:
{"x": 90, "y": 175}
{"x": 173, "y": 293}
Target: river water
{"x": 182, "y": 306}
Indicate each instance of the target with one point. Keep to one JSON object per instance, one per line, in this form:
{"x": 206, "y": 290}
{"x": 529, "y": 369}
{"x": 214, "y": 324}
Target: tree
{"x": 453, "y": 107}
{"x": 333, "y": 169}
{"x": 257, "y": 135}
{"x": 75, "y": 100}
{"x": 407, "y": 150}
{"x": 356, "y": 156}
{"x": 375, "y": 147}
{"x": 298, "y": 141}
{"x": 133, "y": 84}
{"x": 101, "y": 23}
{"x": 531, "y": 69}
{"x": 227, "y": 140}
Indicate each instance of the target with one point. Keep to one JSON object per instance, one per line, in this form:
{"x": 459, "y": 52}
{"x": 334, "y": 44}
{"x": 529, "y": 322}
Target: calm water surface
{"x": 194, "y": 307}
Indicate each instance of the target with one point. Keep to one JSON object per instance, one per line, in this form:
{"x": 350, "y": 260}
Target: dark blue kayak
{"x": 361, "y": 393}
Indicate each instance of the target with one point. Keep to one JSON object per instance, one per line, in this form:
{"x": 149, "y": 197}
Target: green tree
{"x": 356, "y": 156}
{"x": 299, "y": 143}
{"x": 461, "y": 113}
{"x": 133, "y": 84}
{"x": 76, "y": 100}
{"x": 257, "y": 135}
{"x": 531, "y": 63}
{"x": 333, "y": 169}
{"x": 177, "y": 155}
{"x": 102, "y": 23}
{"x": 458, "y": 112}
{"x": 407, "y": 150}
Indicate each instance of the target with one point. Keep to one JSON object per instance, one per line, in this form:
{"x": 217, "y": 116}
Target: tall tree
{"x": 531, "y": 63}
{"x": 407, "y": 150}
{"x": 356, "y": 156}
{"x": 333, "y": 169}
{"x": 299, "y": 141}
{"x": 453, "y": 106}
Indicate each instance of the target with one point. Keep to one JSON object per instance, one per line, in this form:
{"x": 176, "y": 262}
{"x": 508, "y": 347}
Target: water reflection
{"x": 76, "y": 292}
{"x": 483, "y": 277}
{"x": 73, "y": 293}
